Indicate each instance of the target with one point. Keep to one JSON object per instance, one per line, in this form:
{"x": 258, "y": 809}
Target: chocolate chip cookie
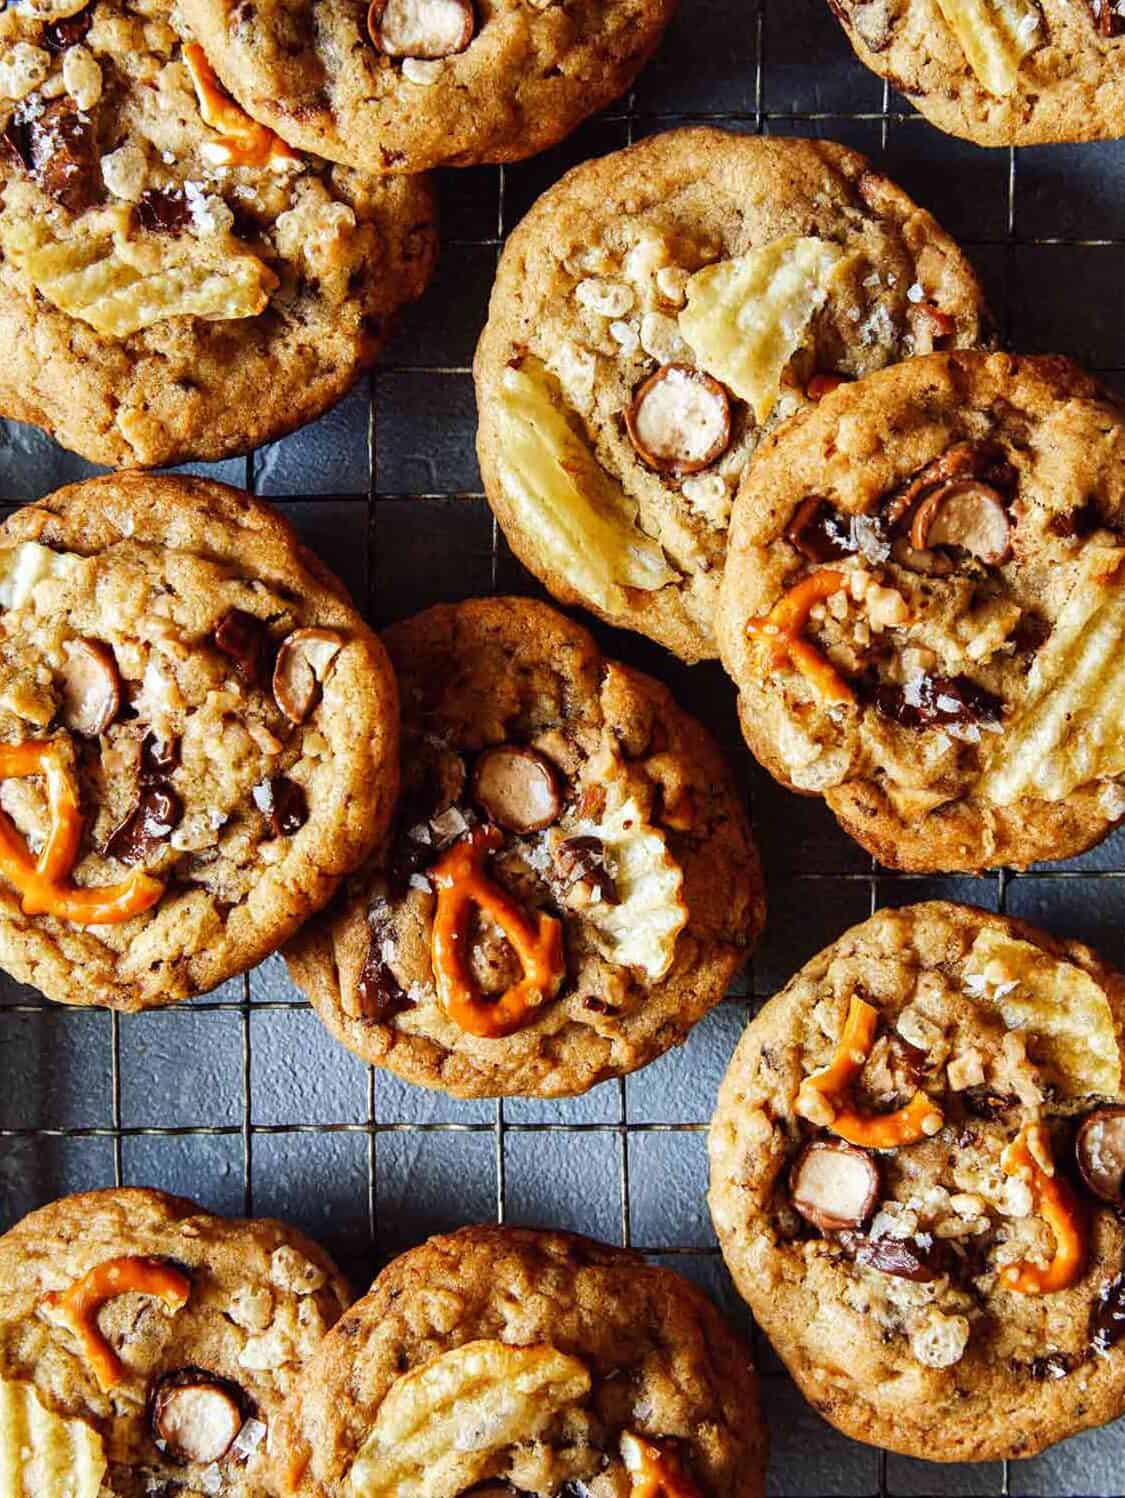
{"x": 924, "y": 606}
{"x": 653, "y": 315}
{"x": 570, "y": 883}
{"x": 999, "y": 72}
{"x": 534, "y": 1364}
{"x": 917, "y": 1175}
{"x": 175, "y": 281}
{"x": 404, "y": 85}
{"x": 144, "y": 1342}
{"x": 198, "y": 739}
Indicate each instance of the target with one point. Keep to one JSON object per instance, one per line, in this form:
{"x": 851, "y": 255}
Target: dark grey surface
{"x": 240, "y": 1099}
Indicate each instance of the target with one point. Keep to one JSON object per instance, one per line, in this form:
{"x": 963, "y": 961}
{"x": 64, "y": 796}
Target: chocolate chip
{"x": 1107, "y": 1319}
{"x": 139, "y": 836}
{"x": 283, "y": 802}
{"x": 246, "y": 640}
{"x": 68, "y": 31}
{"x": 59, "y": 148}
{"x": 162, "y": 210}
{"x": 928, "y": 701}
{"x": 381, "y": 995}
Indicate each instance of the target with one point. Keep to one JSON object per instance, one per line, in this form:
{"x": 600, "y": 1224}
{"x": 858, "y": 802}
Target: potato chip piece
{"x": 43, "y": 1455}
{"x": 995, "y": 36}
{"x": 92, "y": 276}
{"x": 1070, "y": 728}
{"x": 581, "y": 519}
{"x": 1056, "y": 1002}
{"x": 745, "y": 318}
{"x": 641, "y": 931}
{"x": 441, "y": 1427}
{"x": 21, "y": 567}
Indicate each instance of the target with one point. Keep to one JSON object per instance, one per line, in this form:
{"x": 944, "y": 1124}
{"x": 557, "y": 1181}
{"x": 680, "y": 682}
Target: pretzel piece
{"x": 463, "y": 882}
{"x": 656, "y": 1472}
{"x": 1028, "y": 1157}
{"x": 77, "y": 1307}
{"x": 781, "y": 630}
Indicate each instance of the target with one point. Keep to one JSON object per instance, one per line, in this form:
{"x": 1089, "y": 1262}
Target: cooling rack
{"x": 241, "y": 1100}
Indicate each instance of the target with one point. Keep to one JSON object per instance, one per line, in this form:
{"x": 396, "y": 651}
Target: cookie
{"x": 405, "y": 85}
{"x": 653, "y": 315}
{"x": 198, "y": 739}
{"x": 175, "y": 282}
{"x": 534, "y": 1364}
{"x": 916, "y": 1178}
{"x": 570, "y": 883}
{"x": 144, "y": 1341}
{"x": 999, "y": 72}
{"x": 924, "y": 605}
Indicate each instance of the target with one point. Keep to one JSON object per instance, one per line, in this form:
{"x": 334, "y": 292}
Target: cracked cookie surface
{"x": 198, "y": 738}
{"x": 655, "y": 313}
{"x": 597, "y": 828}
{"x": 922, "y": 610}
{"x": 938, "y": 1275}
{"x": 208, "y": 1319}
{"x": 565, "y": 1360}
{"x": 999, "y": 72}
{"x": 175, "y": 283}
{"x": 448, "y": 82}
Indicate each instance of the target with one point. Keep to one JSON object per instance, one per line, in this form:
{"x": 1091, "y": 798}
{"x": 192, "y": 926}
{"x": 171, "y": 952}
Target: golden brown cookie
{"x": 175, "y": 282}
{"x": 924, "y": 605}
{"x": 404, "y": 85}
{"x": 999, "y": 72}
{"x": 917, "y": 1180}
{"x": 533, "y": 1364}
{"x": 655, "y": 313}
{"x": 198, "y": 738}
{"x": 570, "y": 883}
{"x": 144, "y": 1341}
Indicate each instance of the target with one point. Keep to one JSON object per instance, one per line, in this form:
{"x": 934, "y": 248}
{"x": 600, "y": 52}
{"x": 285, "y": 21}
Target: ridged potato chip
{"x": 21, "y": 567}
{"x": 1059, "y": 1006}
{"x": 745, "y": 318}
{"x": 995, "y": 36}
{"x": 641, "y": 931}
{"x": 43, "y": 1455}
{"x": 1071, "y": 727}
{"x": 441, "y": 1427}
{"x": 581, "y": 519}
{"x": 92, "y": 276}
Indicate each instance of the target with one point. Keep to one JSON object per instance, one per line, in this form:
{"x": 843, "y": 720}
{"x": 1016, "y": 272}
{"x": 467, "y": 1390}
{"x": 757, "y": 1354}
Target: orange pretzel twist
{"x": 42, "y": 883}
{"x": 919, "y": 1119}
{"x": 781, "y": 629}
{"x": 656, "y": 1472}
{"x": 244, "y": 141}
{"x": 77, "y": 1308}
{"x": 1059, "y": 1208}
{"x": 462, "y": 882}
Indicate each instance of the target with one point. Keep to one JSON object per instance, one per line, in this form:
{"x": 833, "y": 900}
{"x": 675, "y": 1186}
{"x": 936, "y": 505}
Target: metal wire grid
{"x": 861, "y": 879}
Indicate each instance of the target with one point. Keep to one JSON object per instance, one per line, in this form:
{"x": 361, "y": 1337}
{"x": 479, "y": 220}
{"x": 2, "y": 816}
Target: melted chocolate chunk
{"x": 1078, "y": 523}
{"x": 981, "y": 1102}
{"x": 932, "y": 700}
{"x": 68, "y": 31}
{"x": 159, "y": 757}
{"x": 161, "y": 210}
{"x": 247, "y": 641}
{"x": 905, "y": 1258}
{"x": 381, "y": 995}
{"x": 1107, "y": 18}
{"x": 286, "y": 806}
{"x": 1053, "y": 1365}
{"x": 59, "y": 148}
{"x": 1107, "y": 1319}
{"x": 581, "y": 860}
{"x": 820, "y": 532}
{"x": 148, "y": 825}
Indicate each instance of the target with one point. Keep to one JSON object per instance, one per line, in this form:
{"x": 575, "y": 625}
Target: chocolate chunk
{"x": 159, "y": 757}
{"x": 1078, "y": 523}
{"x": 162, "y": 210}
{"x": 1107, "y": 18}
{"x": 381, "y": 995}
{"x": 59, "y": 147}
{"x": 981, "y": 1102}
{"x": 246, "y": 640}
{"x": 1107, "y": 1319}
{"x": 68, "y": 31}
{"x": 931, "y": 700}
{"x": 820, "y": 532}
{"x": 581, "y": 860}
{"x": 283, "y": 802}
{"x": 1053, "y": 1365}
{"x": 905, "y": 1258}
{"x": 139, "y": 836}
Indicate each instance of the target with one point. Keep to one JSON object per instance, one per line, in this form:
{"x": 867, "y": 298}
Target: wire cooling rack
{"x": 241, "y": 1100}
